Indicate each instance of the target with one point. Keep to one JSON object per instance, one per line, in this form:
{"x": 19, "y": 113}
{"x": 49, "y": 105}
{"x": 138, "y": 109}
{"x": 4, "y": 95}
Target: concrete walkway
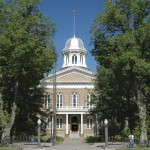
{"x": 72, "y": 144}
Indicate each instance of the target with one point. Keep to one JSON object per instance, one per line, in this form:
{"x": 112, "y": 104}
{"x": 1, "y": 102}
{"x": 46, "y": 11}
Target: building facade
{"x": 68, "y": 94}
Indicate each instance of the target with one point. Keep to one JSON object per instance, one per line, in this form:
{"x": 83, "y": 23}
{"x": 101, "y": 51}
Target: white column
{"x": 52, "y": 125}
{"x": 70, "y": 59}
{"x": 84, "y": 63}
{"x": 78, "y": 59}
{"x": 81, "y": 123}
{"x": 64, "y": 61}
{"x": 66, "y": 123}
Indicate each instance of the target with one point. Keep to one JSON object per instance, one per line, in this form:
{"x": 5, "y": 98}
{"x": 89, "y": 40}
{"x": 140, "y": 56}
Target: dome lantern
{"x": 74, "y": 53}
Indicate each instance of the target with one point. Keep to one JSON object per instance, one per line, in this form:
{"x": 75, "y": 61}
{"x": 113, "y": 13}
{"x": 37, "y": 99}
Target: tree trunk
{"x": 6, "y": 131}
{"x": 142, "y": 118}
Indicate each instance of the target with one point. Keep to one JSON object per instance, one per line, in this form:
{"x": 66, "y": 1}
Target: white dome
{"x": 74, "y": 53}
{"x": 74, "y": 43}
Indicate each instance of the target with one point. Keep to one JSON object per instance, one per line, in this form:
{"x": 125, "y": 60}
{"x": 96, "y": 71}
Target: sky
{"x": 61, "y": 13}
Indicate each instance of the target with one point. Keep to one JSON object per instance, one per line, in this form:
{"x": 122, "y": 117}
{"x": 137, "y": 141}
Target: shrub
{"x": 118, "y": 137}
{"x": 92, "y": 139}
{"x": 45, "y": 139}
{"x": 59, "y": 139}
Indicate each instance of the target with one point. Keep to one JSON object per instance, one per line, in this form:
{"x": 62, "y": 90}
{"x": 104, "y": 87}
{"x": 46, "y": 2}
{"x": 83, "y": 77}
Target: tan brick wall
{"x": 67, "y": 94}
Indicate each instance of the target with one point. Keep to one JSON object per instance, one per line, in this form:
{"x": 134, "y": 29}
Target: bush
{"x": 59, "y": 139}
{"x": 92, "y": 139}
{"x": 118, "y": 137}
{"x": 45, "y": 139}
{"x": 49, "y": 139}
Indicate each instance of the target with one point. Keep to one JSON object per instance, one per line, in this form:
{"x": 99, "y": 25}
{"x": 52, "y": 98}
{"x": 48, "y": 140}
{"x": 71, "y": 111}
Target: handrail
{"x": 71, "y": 107}
{"x": 75, "y": 107}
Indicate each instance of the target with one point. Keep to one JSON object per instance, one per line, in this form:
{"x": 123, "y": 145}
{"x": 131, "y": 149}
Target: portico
{"x": 73, "y": 120}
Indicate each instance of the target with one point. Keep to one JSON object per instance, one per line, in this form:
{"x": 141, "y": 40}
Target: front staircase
{"x": 74, "y": 135}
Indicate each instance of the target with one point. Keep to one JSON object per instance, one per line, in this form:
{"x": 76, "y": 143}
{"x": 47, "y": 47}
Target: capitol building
{"x": 68, "y": 94}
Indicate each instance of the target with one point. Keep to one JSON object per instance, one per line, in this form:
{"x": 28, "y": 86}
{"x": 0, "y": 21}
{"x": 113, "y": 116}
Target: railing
{"x": 74, "y": 108}
{"x": 69, "y": 107}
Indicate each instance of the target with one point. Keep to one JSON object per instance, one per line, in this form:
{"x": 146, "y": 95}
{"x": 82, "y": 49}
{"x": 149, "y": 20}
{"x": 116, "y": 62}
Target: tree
{"x": 26, "y": 54}
{"x": 4, "y": 117}
{"x": 121, "y": 37}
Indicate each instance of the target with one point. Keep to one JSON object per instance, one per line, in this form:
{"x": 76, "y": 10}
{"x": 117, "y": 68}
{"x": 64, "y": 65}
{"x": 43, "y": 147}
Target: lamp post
{"x": 106, "y": 132}
{"x": 39, "y": 128}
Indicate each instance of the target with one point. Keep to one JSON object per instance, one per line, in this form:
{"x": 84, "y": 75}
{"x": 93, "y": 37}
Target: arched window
{"x": 74, "y": 100}
{"x": 88, "y": 100}
{"x": 47, "y": 99}
{"x": 59, "y": 100}
{"x": 59, "y": 122}
{"x": 74, "y": 59}
{"x": 89, "y": 121}
{"x": 81, "y": 60}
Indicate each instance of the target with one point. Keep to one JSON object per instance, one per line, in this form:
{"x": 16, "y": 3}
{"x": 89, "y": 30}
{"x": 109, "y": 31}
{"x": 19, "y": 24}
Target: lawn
{"x": 133, "y": 148}
{"x": 9, "y": 148}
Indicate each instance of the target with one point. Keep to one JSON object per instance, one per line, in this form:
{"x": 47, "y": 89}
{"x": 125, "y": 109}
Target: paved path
{"x": 72, "y": 144}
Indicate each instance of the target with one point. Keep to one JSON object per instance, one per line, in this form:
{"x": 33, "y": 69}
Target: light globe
{"x": 39, "y": 122}
{"x": 105, "y": 121}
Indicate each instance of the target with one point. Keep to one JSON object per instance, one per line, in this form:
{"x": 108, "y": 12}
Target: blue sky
{"x": 61, "y": 12}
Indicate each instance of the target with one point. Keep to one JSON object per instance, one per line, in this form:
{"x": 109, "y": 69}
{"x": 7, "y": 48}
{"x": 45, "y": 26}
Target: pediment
{"x": 74, "y": 77}
{"x": 72, "y": 74}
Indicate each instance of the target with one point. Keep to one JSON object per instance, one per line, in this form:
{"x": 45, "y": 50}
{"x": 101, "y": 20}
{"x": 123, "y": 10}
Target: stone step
{"x": 74, "y": 135}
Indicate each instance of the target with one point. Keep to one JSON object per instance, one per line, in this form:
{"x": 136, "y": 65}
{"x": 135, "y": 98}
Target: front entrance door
{"x": 74, "y": 124}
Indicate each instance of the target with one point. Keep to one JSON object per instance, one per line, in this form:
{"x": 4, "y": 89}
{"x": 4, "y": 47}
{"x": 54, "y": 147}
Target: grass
{"x": 9, "y": 148}
{"x": 132, "y": 148}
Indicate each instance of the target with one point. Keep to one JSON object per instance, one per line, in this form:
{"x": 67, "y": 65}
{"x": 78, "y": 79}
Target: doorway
{"x": 74, "y": 124}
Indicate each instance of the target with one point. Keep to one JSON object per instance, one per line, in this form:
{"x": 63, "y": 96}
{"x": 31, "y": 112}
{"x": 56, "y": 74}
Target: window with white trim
{"x": 74, "y": 59}
{"x": 59, "y": 100}
{"x": 74, "y": 100}
{"x": 59, "y": 121}
{"x": 81, "y": 60}
{"x": 47, "y": 101}
{"x": 89, "y": 121}
{"x": 88, "y": 100}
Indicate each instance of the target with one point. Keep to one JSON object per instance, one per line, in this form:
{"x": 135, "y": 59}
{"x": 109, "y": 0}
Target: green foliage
{"x": 118, "y": 137}
{"x": 44, "y": 138}
{"x": 59, "y": 139}
{"x": 4, "y": 119}
{"x": 9, "y": 148}
{"x": 26, "y": 54}
{"x": 121, "y": 36}
{"x": 125, "y": 132}
{"x": 92, "y": 139}
{"x": 137, "y": 132}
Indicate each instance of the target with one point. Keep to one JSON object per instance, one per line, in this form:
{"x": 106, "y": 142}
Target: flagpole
{"x": 74, "y": 14}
